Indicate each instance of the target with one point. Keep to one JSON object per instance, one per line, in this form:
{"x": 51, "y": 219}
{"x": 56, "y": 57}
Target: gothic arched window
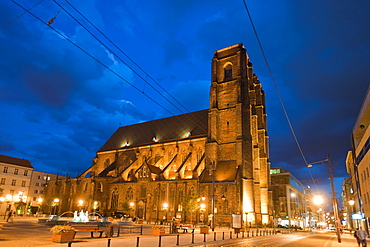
{"x": 114, "y": 199}
{"x": 228, "y": 70}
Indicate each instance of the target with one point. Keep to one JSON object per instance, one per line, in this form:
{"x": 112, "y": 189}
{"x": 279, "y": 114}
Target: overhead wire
{"x": 133, "y": 70}
{"x": 96, "y": 59}
{"x": 127, "y": 56}
{"x": 277, "y": 89}
{"x": 19, "y": 16}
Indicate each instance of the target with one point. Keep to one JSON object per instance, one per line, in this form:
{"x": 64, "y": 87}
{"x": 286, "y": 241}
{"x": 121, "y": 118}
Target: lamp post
{"x": 202, "y": 209}
{"x": 335, "y": 204}
{"x": 8, "y": 198}
{"x": 165, "y": 208}
{"x": 56, "y": 202}
{"x": 132, "y": 205}
{"x": 39, "y": 202}
{"x": 80, "y": 204}
{"x": 351, "y": 203}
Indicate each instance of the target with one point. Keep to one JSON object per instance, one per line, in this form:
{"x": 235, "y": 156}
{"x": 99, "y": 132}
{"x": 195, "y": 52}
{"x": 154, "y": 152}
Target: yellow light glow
{"x": 351, "y": 202}
{"x": 318, "y": 200}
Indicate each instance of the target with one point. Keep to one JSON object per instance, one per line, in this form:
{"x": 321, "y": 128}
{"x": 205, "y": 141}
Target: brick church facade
{"x": 154, "y": 169}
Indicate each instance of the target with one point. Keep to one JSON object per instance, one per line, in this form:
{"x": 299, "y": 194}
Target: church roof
{"x": 226, "y": 171}
{"x": 189, "y": 125}
{"x": 15, "y": 161}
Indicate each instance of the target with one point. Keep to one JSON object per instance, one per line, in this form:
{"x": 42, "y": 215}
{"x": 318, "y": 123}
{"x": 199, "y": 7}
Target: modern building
{"x": 292, "y": 201}
{"x": 358, "y": 164}
{"x": 199, "y": 166}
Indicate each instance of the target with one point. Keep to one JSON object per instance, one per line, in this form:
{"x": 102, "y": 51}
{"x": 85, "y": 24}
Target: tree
{"x": 191, "y": 203}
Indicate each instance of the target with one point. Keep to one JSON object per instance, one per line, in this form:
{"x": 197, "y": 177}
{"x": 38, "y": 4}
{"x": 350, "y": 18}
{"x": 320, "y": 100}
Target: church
{"x": 203, "y": 166}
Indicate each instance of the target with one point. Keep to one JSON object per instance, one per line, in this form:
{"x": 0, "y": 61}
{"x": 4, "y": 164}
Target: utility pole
{"x": 335, "y": 205}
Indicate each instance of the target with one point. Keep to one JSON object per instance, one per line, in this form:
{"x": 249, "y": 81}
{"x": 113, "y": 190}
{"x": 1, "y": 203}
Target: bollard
{"x": 252, "y": 233}
{"x": 248, "y": 234}
{"x": 160, "y": 241}
{"x": 141, "y": 230}
{"x": 214, "y": 236}
{"x": 178, "y": 239}
{"x": 69, "y": 244}
{"x": 137, "y": 241}
{"x": 237, "y": 235}
{"x": 231, "y": 234}
{"x": 192, "y": 238}
{"x": 109, "y": 242}
{"x": 242, "y": 234}
{"x": 223, "y": 236}
{"x": 204, "y": 238}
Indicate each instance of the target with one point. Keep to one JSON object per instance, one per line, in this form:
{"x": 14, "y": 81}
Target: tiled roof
{"x": 159, "y": 131}
{"x": 15, "y": 161}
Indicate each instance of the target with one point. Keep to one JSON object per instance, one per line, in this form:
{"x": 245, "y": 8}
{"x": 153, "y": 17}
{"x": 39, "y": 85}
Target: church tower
{"x": 237, "y": 131}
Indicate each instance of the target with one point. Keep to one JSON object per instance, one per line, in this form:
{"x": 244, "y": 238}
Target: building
{"x": 200, "y": 166}
{"x": 15, "y": 179}
{"x": 292, "y": 201}
{"x": 358, "y": 165}
{"x": 36, "y": 189}
{"x": 20, "y": 186}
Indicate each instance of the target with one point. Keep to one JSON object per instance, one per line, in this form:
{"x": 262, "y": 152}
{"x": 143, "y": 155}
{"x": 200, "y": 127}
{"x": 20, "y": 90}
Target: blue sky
{"x": 59, "y": 105}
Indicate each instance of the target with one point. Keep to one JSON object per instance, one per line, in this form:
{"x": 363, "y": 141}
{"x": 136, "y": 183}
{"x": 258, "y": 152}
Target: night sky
{"x": 65, "y": 88}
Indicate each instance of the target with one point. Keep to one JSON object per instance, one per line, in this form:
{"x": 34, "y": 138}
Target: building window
{"x": 34, "y": 198}
{"x": 36, "y": 191}
{"x": 14, "y": 182}
{"x": 114, "y": 199}
{"x": 25, "y": 173}
{"x": 228, "y": 71}
{"x": 16, "y": 171}
{"x": 23, "y": 183}
{"x": 37, "y": 184}
{"x": 5, "y": 170}
{"x": 41, "y": 192}
{"x": 2, "y": 180}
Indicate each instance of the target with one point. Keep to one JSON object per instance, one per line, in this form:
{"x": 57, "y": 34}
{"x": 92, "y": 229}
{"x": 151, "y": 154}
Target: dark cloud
{"x": 59, "y": 105}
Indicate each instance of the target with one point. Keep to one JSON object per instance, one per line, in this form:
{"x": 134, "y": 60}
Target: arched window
{"x": 85, "y": 186}
{"x": 114, "y": 199}
{"x": 228, "y": 69}
{"x": 129, "y": 195}
{"x": 100, "y": 187}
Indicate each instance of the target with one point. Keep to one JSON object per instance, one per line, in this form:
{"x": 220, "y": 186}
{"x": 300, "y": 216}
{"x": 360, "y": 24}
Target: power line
{"x": 97, "y": 60}
{"x": 276, "y": 88}
{"x": 19, "y": 16}
{"x": 125, "y": 62}
{"x": 127, "y": 56}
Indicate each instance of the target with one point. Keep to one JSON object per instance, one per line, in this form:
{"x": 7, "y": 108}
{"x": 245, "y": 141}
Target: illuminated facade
{"x": 220, "y": 155}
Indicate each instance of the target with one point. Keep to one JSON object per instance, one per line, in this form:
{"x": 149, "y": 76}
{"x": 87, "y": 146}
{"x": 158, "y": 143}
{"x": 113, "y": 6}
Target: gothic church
{"x": 220, "y": 155}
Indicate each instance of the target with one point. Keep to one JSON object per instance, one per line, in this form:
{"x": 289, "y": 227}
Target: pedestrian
{"x": 357, "y": 238}
{"x": 10, "y": 216}
{"x": 362, "y": 235}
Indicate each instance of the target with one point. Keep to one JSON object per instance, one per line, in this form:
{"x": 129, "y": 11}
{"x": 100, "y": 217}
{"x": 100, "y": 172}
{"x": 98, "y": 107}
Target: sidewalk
{"x": 26, "y": 232}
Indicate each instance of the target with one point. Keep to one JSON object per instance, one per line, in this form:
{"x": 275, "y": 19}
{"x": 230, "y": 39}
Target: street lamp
{"x": 335, "y": 204}
{"x": 8, "y": 198}
{"x": 351, "y": 203}
{"x": 80, "y": 204}
{"x": 39, "y": 202}
{"x": 165, "y": 208}
{"x": 202, "y": 209}
{"x": 56, "y": 202}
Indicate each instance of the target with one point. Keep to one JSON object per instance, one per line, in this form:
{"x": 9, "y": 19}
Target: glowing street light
{"x": 318, "y": 200}
{"x": 80, "y": 204}
{"x": 165, "y": 208}
{"x": 56, "y": 202}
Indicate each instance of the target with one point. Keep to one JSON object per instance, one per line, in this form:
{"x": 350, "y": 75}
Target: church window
{"x": 228, "y": 70}
{"x": 100, "y": 187}
{"x": 143, "y": 190}
{"x": 114, "y": 199}
{"x": 226, "y": 207}
{"x": 129, "y": 195}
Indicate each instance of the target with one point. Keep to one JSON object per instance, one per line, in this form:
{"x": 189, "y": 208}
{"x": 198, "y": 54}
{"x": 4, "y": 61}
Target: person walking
{"x": 357, "y": 238}
{"x": 362, "y": 235}
{"x": 10, "y": 216}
